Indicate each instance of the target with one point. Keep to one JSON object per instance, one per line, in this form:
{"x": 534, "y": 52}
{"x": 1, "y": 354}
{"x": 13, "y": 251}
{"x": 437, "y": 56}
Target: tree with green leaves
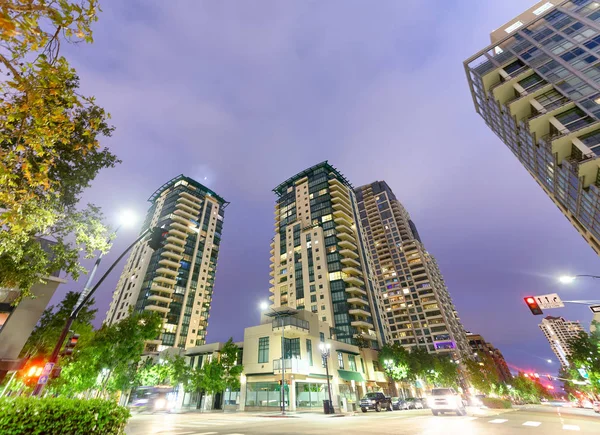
{"x": 109, "y": 361}
{"x": 527, "y": 390}
{"x": 42, "y": 340}
{"x": 228, "y": 357}
{"x": 482, "y": 373}
{"x": 49, "y": 143}
{"x": 584, "y": 358}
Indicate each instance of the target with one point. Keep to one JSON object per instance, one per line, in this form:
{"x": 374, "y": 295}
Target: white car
{"x": 446, "y": 400}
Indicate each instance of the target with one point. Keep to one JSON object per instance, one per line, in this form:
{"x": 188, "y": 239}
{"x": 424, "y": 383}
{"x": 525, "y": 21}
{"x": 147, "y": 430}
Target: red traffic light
{"x": 533, "y": 306}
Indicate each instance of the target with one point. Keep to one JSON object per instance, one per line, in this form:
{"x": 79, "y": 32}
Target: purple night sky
{"x": 247, "y": 94}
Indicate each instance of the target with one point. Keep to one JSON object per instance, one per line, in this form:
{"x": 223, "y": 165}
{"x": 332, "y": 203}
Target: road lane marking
{"x": 532, "y": 423}
{"x": 498, "y": 421}
{"x": 570, "y": 427}
{"x": 207, "y": 433}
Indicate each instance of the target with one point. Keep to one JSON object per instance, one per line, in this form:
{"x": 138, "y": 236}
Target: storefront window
{"x": 309, "y": 395}
{"x": 265, "y": 394}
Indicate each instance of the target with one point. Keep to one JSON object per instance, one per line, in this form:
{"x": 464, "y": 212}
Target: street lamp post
{"x": 325, "y": 351}
{"x": 568, "y": 279}
{"x": 83, "y": 299}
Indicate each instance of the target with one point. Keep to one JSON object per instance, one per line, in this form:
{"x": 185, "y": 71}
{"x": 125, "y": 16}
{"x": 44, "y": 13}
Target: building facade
{"x": 479, "y": 346}
{"x": 558, "y": 332}
{"x": 537, "y": 86}
{"x": 353, "y": 371}
{"x": 177, "y": 279}
{"x": 319, "y": 259}
{"x": 417, "y": 305}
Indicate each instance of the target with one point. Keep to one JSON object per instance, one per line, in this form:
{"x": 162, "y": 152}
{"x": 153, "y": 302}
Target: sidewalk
{"x": 298, "y": 414}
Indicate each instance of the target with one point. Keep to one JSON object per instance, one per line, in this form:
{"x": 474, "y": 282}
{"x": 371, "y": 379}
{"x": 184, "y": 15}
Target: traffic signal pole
{"x": 65, "y": 331}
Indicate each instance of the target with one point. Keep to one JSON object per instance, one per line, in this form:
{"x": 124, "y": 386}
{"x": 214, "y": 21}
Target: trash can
{"x": 327, "y": 407}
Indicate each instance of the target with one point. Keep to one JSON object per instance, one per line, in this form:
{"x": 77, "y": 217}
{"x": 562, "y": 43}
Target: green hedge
{"x": 493, "y": 403}
{"x": 59, "y": 416}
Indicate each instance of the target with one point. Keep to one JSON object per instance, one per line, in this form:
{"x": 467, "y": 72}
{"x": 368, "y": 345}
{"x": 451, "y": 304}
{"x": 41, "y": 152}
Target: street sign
{"x": 551, "y": 300}
{"x": 45, "y": 373}
{"x": 595, "y": 308}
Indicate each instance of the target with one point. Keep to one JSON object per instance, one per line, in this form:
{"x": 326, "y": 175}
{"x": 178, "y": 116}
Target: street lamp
{"x": 325, "y": 351}
{"x": 265, "y": 306}
{"x": 126, "y": 218}
{"x": 568, "y": 279}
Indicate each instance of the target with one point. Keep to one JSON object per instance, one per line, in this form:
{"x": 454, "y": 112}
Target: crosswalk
{"x": 571, "y": 427}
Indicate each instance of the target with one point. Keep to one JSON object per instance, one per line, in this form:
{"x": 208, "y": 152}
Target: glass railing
{"x": 290, "y": 321}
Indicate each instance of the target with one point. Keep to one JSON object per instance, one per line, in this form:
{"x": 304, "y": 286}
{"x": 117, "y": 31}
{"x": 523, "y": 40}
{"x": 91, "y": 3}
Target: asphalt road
{"x": 538, "y": 420}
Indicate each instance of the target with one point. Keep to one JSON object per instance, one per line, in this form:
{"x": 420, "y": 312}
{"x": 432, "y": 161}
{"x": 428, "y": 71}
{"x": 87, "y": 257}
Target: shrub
{"x": 60, "y": 416}
{"x": 494, "y": 403}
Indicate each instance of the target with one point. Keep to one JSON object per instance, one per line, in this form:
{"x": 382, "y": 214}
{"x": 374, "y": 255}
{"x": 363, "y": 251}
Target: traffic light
{"x": 71, "y": 344}
{"x": 157, "y": 237}
{"x": 533, "y": 306}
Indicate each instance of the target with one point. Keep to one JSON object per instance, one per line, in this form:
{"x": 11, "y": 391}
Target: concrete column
{"x": 242, "y": 396}
{"x": 292, "y": 395}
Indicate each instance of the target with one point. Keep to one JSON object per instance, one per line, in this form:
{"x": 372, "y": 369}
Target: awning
{"x": 349, "y": 352}
{"x": 351, "y": 376}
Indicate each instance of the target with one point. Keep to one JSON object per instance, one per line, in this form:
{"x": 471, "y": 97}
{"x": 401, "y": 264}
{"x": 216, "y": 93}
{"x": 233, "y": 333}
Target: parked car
{"x": 597, "y": 406}
{"x": 422, "y": 401}
{"x": 446, "y": 400}
{"x": 413, "y": 403}
{"x": 376, "y": 401}
{"x": 398, "y": 403}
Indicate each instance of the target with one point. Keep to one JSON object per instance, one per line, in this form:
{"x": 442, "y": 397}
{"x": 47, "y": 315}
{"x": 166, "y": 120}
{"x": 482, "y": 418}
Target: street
{"x": 540, "y": 420}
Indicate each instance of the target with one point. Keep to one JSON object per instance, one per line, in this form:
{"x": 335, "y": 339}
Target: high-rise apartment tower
{"x": 537, "y": 86}
{"x": 558, "y": 332}
{"x": 417, "y": 305}
{"x": 319, "y": 260}
{"x": 177, "y": 279}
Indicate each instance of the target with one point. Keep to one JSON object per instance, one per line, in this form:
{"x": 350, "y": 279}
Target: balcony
{"x": 167, "y": 262}
{"x": 343, "y": 207}
{"x": 176, "y": 232}
{"x": 160, "y": 288}
{"x": 362, "y": 324}
{"x": 356, "y": 291}
{"x": 359, "y": 312}
{"x": 192, "y": 198}
{"x": 159, "y": 299}
{"x": 355, "y": 300}
{"x": 352, "y": 271}
{"x": 354, "y": 281}
{"x": 340, "y": 198}
{"x": 181, "y": 227}
{"x": 169, "y": 254}
{"x": 167, "y": 271}
{"x": 339, "y": 213}
{"x": 292, "y": 326}
{"x": 185, "y": 207}
{"x": 165, "y": 280}
{"x": 175, "y": 240}
{"x": 346, "y": 236}
{"x": 180, "y": 219}
{"x": 183, "y": 200}
{"x": 291, "y": 365}
{"x": 351, "y": 262}
{"x": 343, "y": 220}
{"x": 348, "y": 253}
{"x": 347, "y": 244}
{"x": 184, "y": 213}
{"x": 157, "y": 308}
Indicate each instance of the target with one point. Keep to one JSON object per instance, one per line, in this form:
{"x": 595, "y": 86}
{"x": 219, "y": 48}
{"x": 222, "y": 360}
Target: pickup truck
{"x": 446, "y": 400}
{"x": 376, "y": 401}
